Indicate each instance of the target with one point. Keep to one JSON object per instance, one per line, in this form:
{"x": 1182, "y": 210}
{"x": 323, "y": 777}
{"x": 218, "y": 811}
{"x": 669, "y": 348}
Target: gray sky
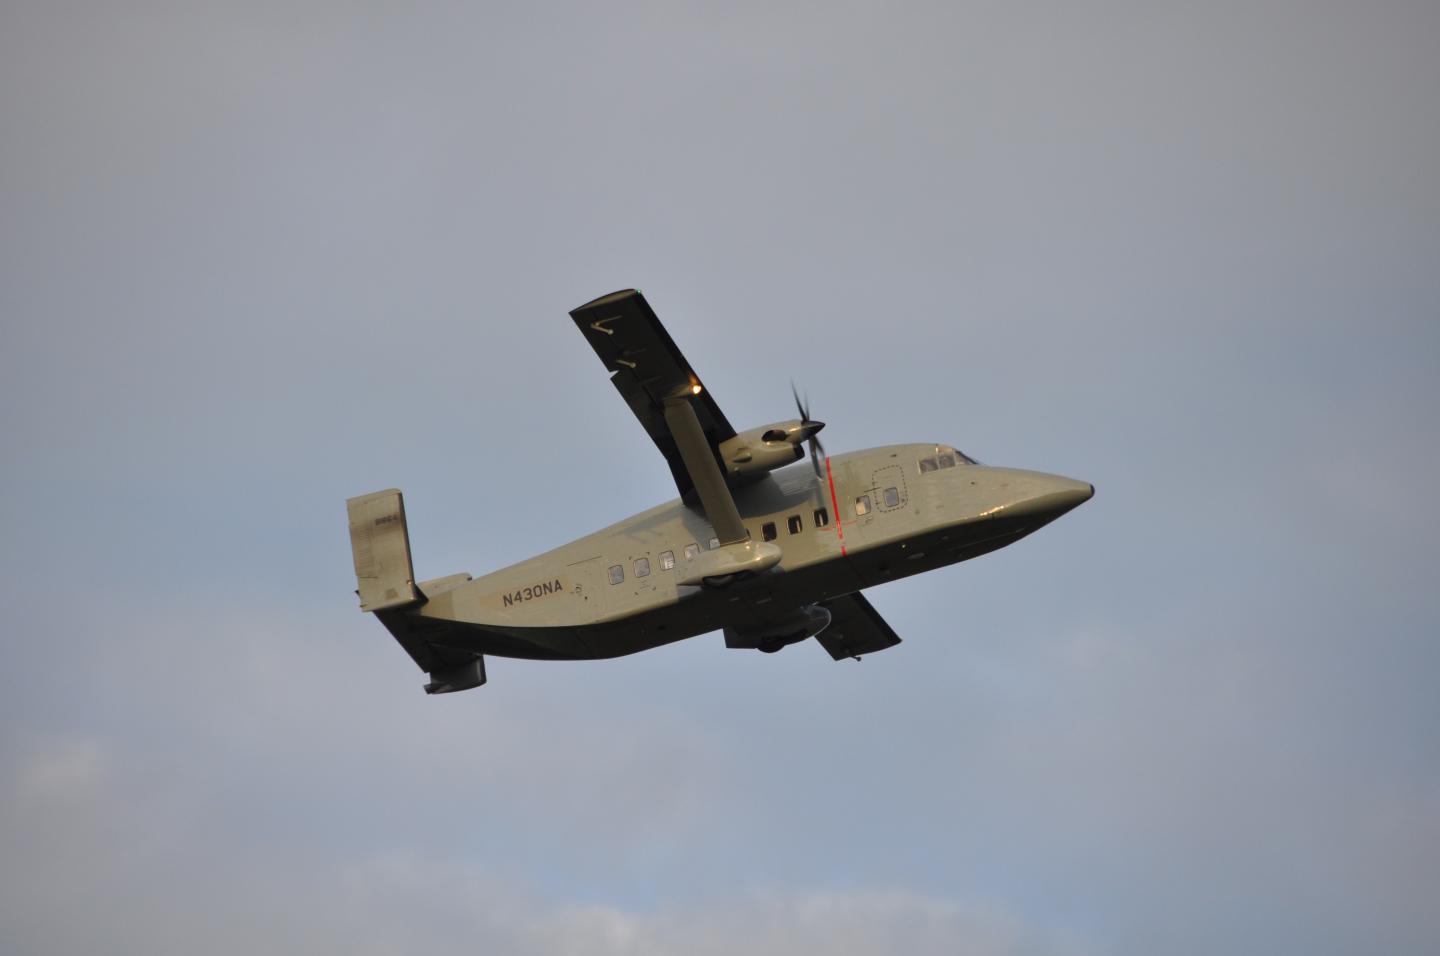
{"x": 256, "y": 258}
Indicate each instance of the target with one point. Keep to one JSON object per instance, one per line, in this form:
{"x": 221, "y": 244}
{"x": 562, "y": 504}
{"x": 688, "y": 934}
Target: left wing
{"x": 855, "y": 628}
{"x": 648, "y": 368}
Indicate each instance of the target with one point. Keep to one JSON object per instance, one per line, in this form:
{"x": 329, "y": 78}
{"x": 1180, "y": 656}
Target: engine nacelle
{"x": 794, "y": 627}
{"x": 764, "y": 449}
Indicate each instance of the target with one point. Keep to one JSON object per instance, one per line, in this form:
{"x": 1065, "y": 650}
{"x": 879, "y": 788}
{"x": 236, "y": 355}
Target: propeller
{"x": 810, "y": 426}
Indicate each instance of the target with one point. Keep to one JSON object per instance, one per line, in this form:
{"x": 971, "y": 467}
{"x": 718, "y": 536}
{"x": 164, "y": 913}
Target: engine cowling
{"x": 764, "y": 449}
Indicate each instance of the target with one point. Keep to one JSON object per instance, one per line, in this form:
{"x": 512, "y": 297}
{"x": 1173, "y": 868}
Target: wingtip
{"x": 606, "y": 299}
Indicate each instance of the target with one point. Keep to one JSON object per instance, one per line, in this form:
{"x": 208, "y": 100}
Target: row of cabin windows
{"x": 795, "y": 524}
{"x": 667, "y": 558}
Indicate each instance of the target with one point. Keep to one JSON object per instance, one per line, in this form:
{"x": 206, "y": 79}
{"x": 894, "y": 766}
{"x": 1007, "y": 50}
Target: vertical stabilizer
{"x": 381, "y": 546}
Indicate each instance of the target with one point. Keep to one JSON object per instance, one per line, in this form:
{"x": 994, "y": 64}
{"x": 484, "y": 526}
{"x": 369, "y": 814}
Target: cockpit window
{"x": 944, "y": 457}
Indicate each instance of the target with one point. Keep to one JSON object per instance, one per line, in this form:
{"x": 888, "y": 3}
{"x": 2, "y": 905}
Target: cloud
{"x": 124, "y": 872}
{"x": 60, "y": 771}
{"x": 301, "y": 793}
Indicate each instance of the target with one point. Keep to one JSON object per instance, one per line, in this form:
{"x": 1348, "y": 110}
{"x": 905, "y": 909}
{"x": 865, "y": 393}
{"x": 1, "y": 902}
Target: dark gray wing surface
{"x": 855, "y": 628}
{"x": 646, "y": 368}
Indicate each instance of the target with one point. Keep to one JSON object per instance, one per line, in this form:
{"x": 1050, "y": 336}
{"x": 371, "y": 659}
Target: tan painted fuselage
{"x": 872, "y": 516}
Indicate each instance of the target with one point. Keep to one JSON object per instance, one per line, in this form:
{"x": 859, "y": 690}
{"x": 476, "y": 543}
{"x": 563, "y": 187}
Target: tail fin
{"x": 381, "y": 546}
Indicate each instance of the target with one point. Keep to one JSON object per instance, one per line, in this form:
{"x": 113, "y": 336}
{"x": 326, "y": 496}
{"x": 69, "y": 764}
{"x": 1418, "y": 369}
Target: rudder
{"x": 380, "y": 544}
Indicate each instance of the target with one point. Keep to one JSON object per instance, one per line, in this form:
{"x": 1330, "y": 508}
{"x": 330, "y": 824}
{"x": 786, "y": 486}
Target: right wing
{"x": 855, "y": 628}
{"x": 648, "y": 368}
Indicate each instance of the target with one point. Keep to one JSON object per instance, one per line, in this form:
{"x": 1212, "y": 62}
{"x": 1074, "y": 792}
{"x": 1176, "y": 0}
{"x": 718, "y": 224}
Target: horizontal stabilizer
{"x": 434, "y": 644}
{"x": 381, "y": 547}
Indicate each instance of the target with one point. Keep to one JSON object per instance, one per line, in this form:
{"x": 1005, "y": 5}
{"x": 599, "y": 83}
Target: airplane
{"x": 765, "y": 549}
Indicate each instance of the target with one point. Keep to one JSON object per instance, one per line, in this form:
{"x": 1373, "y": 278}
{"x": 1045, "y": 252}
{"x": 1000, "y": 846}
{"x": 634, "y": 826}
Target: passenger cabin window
{"x": 714, "y": 543}
{"x": 795, "y": 524}
{"x": 822, "y": 517}
{"x": 691, "y": 550}
{"x": 667, "y": 560}
{"x": 617, "y": 574}
{"x": 642, "y": 567}
{"x": 862, "y": 505}
{"x": 928, "y": 464}
{"x": 767, "y": 531}
{"x": 892, "y": 497}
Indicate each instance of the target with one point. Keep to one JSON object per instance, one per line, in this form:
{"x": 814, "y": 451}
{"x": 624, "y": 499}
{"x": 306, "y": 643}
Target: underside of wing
{"x": 646, "y": 369}
{"x": 855, "y": 628}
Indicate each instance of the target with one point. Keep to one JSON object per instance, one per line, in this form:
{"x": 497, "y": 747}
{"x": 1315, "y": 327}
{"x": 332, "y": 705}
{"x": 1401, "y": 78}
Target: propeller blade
{"x": 802, "y": 407}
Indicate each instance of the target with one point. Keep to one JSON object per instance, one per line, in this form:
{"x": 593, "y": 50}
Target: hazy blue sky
{"x": 256, "y": 258}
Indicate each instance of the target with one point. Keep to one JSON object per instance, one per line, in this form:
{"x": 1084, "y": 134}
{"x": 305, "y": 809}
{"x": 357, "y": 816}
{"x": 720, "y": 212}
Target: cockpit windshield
{"x": 944, "y": 457}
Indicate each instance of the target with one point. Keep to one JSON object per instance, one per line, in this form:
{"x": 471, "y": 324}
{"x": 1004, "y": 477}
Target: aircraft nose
{"x": 1052, "y": 495}
{"x": 1072, "y": 493}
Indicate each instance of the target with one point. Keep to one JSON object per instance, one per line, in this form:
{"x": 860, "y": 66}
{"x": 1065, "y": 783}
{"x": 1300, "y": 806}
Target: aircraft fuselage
{"x": 873, "y": 516}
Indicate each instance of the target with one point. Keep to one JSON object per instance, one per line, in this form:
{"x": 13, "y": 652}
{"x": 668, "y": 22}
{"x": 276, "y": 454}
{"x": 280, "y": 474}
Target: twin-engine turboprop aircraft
{"x": 769, "y": 554}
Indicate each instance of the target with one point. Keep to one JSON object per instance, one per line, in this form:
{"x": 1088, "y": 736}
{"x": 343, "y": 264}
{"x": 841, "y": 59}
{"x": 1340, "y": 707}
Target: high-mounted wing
{"x": 647, "y": 368}
{"x": 855, "y": 628}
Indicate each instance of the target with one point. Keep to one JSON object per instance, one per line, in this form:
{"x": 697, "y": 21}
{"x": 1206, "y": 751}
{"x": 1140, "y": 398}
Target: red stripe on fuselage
{"x": 839, "y": 525}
